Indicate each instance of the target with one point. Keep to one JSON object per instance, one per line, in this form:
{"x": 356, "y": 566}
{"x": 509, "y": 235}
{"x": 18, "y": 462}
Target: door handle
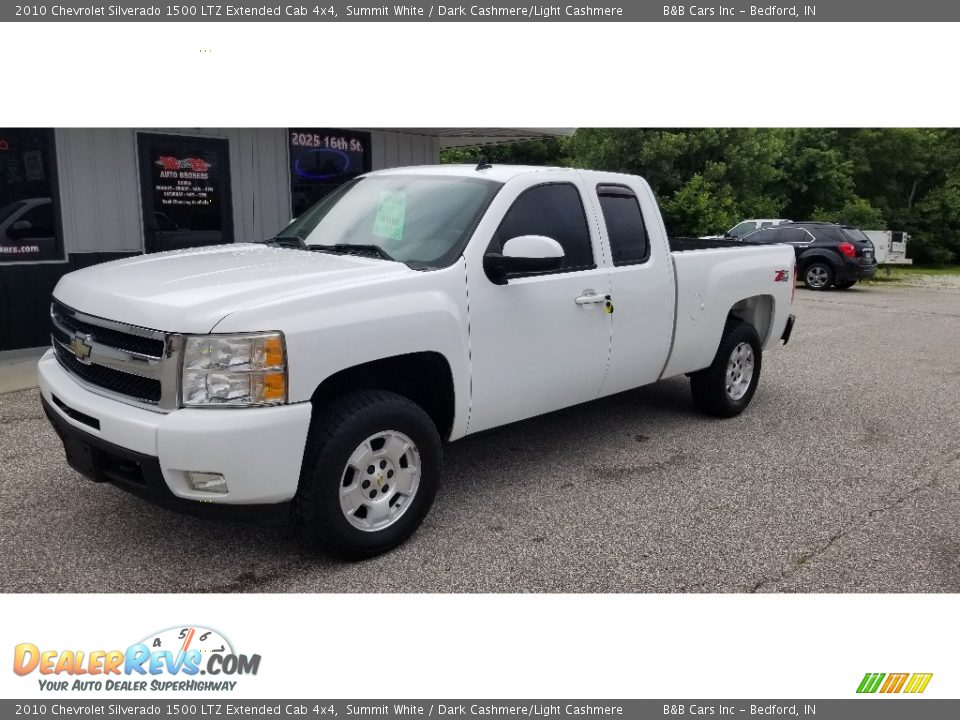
{"x": 592, "y": 298}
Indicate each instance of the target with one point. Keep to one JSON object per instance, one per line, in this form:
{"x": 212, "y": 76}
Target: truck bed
{"x": 714, "y": 280}
{"x": 685, "y": 244}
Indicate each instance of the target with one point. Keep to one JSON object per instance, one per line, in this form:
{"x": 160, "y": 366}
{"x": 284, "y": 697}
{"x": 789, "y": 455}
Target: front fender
{"x": 329, "y": 332}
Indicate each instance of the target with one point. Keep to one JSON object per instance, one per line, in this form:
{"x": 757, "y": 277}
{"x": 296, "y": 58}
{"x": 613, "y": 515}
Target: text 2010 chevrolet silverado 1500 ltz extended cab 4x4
{"x": 319, "y": 373}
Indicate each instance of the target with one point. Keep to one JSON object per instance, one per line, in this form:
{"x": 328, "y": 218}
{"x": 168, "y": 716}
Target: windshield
{"x": 8, "y": 210}
{"x": 416, "y": 219}
{"x": 742, "y": 229}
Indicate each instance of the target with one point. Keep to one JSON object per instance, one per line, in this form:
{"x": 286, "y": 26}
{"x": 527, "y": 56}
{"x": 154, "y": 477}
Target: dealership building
{"x": 75, "y": 197}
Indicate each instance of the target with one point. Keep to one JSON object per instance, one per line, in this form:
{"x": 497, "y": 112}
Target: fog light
{"x": 207, "y": 482}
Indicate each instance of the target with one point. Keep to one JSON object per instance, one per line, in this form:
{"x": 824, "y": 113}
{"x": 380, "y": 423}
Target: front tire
{"x": 726, "y": 387}
{"x": 818, "y": 276}
{"x": 370, "y": 473}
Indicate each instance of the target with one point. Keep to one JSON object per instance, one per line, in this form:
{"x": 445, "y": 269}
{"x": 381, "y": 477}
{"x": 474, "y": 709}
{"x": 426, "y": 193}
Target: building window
{"x": 322, "y": 160}
{"x": 185, "y": 191}
{"x": 29, "y": 201}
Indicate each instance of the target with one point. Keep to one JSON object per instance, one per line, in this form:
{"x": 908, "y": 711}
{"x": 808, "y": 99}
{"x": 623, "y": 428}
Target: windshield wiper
{"x": 355, "y": 249}
{"x": 287, "y": 241}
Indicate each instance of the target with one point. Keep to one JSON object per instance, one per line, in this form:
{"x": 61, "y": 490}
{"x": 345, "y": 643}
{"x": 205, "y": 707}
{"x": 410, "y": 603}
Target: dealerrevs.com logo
{"x": 176, "y": 659}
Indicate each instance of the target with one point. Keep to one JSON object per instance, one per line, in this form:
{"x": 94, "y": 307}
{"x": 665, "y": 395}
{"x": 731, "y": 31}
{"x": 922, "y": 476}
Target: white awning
{"x": 468, "y": 137}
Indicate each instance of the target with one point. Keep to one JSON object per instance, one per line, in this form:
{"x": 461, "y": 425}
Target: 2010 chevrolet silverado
{"x": 318, "y": 374}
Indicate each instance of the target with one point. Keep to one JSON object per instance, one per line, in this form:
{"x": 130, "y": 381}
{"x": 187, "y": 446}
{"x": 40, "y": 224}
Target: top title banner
{"x": 247, "y": 10}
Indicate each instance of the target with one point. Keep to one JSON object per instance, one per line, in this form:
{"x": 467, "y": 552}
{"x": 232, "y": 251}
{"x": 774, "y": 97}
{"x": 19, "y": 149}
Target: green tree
{"x": 531, "y": 152}
{"x": 895, "y": 167}
{"x": 816, "y": 173}
{"x": 708, "y": 179}
{"x": 855, "y": 211}
{"x": 699, "y": 206}
{"x": 936, "y": 225}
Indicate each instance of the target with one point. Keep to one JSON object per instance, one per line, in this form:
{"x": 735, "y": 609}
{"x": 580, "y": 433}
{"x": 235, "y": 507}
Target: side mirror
{"x": 523, "y": 254}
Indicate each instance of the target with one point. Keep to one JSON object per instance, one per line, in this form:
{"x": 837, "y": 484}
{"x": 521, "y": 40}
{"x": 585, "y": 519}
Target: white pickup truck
{"x": 316, "y": 375}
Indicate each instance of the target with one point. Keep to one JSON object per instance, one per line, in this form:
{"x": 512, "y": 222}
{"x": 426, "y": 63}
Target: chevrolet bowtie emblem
{"x": 81, "y": 346}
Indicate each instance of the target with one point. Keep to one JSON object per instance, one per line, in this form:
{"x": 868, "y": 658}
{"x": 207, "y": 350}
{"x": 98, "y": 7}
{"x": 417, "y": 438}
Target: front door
{"x": 185, "y": 188}
{"x": 534, "y": 348}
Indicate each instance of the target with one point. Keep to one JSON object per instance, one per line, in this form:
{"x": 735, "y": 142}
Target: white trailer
{"x": 890, "y": 246}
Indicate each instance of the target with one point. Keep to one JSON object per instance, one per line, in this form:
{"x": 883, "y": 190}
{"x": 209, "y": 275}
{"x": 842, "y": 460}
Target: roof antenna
{"x": 484, "y": 164}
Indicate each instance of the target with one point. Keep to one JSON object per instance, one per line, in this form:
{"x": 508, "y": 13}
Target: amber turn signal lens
{"x": 273, "y": 351}
{"x": 274, "y": 386}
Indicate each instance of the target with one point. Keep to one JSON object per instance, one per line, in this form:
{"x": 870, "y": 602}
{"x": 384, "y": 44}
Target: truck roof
{"x": 500, "y": 173}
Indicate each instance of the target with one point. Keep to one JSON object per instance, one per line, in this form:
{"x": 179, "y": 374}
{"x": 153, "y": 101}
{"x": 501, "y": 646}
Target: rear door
{"x": 800, "y": 238}
{"x": 641, "y": 281}
{"x": 768, "y": 236}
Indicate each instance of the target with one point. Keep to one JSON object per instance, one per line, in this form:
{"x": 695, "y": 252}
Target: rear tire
{"x": 818, "y": 276}
{"x": 726, "y": 387}
{"x": 371, "y": 470}
{"x": 845, "y": 285}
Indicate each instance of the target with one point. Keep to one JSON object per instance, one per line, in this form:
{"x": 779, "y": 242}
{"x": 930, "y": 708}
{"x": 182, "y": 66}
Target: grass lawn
{"x": 910, "y": 274}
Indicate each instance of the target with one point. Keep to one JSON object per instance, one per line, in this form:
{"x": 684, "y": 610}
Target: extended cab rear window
{"x": 625, "y": 228}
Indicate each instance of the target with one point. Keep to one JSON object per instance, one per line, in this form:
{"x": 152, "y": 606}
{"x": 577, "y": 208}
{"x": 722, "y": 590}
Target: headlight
{"x": 234, "y": 370}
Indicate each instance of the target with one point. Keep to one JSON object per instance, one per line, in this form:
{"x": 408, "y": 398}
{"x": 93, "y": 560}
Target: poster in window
{"x": 29, "y": 200}
{"x": 186, "y": 191}
{"x": 323, "y": 159}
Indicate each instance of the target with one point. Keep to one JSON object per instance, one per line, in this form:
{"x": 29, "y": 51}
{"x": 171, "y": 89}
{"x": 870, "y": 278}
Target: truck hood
{"x": 190, "y": 291}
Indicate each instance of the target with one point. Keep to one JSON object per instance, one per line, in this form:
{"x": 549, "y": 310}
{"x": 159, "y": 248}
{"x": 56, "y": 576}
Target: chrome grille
{"x": 65, "y": 324}
{"x": 134, "y": 386}
{"x": 136, "y": 365}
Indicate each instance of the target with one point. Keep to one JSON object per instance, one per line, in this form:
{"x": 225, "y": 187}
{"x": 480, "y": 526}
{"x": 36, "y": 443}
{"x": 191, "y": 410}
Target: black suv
{"x": 828, "y": 254}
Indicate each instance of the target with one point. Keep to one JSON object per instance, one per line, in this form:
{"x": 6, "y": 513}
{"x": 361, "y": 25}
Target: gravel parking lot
{"x": 843, "y": 476}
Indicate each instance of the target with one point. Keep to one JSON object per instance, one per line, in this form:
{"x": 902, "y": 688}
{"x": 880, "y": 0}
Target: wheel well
{"x": 823, "y": 259}
{"x": 425, "y": 378}
{"x": 757, "y": 311}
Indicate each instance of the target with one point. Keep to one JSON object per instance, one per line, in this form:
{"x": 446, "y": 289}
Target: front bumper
{"x": 258, "y": 450}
